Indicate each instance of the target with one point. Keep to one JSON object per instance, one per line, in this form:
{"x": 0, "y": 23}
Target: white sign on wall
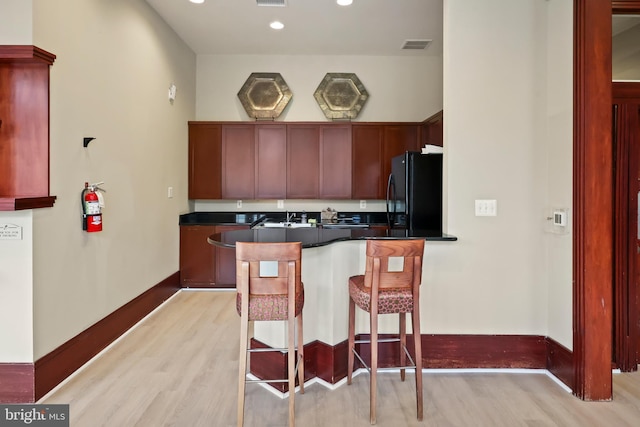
{"x": 10, "y": 232}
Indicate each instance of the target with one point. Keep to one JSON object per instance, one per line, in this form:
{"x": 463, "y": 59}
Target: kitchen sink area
{"x": 268, "y": 224}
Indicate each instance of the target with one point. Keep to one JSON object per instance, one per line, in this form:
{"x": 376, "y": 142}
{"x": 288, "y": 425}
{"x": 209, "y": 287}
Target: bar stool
{"x": 390, "y": 284}
{"x": 270, "y": 288}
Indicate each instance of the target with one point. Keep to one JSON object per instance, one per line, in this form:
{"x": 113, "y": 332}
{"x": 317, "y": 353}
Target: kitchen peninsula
{"x": 329, "y": 257}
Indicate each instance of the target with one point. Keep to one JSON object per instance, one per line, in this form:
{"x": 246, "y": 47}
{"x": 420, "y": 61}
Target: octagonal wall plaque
{"x": 264, "y": 95}
{"x": 341, "y": 95}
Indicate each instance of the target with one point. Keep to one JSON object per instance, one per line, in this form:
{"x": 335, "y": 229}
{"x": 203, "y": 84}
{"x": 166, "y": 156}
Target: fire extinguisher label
{"x": 93, "y": 208}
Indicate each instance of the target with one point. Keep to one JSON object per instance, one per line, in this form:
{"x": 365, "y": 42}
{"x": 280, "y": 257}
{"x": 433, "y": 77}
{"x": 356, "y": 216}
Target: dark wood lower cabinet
{"x": 203, "y": 265}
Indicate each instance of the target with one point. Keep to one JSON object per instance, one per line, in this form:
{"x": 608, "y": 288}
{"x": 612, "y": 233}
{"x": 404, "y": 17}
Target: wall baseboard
{"x": 54, "y": 367}
{"x": 560, "y": 362}
{"x": 329, "y": 363}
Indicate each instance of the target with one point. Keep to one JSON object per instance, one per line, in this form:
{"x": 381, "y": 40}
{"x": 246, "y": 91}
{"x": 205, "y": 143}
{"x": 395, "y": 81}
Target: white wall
{"x": 558, "y": 149}
{"x": 401, "y": 88}
{"x": 15, "y": 22}
{"x": 16, "y": 293}
{"x": 115, "y": 62}
{"x": 494, "y": 279}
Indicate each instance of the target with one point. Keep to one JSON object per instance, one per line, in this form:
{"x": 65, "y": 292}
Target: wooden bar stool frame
{"x": 378, "y": 281}
{"x": 286, "y": 286}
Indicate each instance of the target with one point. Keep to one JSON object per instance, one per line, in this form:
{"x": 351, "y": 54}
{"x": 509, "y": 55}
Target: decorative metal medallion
{"x": 265, "y": 95}
{"x": 341, "y": 95}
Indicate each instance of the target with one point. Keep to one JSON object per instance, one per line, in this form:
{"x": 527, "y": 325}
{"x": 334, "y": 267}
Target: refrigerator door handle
{"x": 390, "y": 198}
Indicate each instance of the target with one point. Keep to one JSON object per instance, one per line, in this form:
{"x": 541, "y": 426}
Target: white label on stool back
{"x": 10, "y": 232}
{"x": 396, "y": 263}
{"x": 268, "y": 268}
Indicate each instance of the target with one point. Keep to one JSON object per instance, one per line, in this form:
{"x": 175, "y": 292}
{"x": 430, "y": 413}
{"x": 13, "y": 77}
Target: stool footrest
{"x": 262, "y": 350}
{"x": 285, "y": 380}
{"x": 390, "y": 368}
{"x": 380, "y": 340}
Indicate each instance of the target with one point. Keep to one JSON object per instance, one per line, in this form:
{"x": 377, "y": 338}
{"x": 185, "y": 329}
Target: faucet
{"x": 290, "y": 216}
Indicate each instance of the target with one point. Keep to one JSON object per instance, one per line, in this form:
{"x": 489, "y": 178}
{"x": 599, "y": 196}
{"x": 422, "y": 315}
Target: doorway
{"x": 626, "y": 283}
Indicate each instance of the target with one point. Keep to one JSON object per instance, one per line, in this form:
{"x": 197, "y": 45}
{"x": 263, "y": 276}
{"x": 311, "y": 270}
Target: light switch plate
{"x": 486, "y": 207}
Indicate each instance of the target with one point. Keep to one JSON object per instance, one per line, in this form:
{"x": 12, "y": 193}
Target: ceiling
{"x": 312, "y": 27}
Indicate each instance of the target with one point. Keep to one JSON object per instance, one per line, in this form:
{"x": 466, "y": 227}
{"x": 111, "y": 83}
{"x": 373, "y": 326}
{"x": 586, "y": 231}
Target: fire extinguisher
{"x": 91, "y": 208}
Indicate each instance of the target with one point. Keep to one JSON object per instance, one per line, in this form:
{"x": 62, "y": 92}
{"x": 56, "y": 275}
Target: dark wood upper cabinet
{"x": 24, "y": 127}
{"x": 432, "y": 130}
{"x": 238, "y": 161}
{"x": 271, "y": 161}
{"x": 205, "y": 149}
{"x": 398, "y": 138}
{"x": 335, "y": 162}
{"x": 303, "y": 162}
{"x": 367, "y": 162}
{"x": 374, "y": 145}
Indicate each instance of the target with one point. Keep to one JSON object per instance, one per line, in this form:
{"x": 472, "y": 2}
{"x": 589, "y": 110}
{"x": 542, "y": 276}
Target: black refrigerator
{"x": 414, "y": 194}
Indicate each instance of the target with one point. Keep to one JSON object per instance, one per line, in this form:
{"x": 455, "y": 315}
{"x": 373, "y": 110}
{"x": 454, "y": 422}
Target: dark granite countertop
{"x": 318, "y": 236}
{"x": 222, "y": 218}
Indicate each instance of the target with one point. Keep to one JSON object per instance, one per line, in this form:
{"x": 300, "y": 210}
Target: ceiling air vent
{"x": 416, "y": 44}
{"x": 277, "y": 3}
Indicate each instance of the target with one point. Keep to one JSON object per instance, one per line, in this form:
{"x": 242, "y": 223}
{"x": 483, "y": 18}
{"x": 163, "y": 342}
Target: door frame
{"x": 593, "y": 196}
{"x": 626, "y": 104}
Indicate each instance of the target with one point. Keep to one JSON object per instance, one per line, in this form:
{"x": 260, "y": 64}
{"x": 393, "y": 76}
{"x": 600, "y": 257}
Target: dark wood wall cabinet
{"x": 24, "y": 127}
{"x": 299, "y": 160}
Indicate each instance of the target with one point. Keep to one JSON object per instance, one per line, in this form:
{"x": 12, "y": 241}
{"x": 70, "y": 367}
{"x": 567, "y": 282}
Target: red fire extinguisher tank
{"x": 92, "y": 218}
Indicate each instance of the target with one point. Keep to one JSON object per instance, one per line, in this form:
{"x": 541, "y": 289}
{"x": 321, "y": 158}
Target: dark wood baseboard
{"x": 329, "y": 363}
{"x": 54, "y": 367}
{"x": 560, "y": 362}
{"x": 16, "y": 383}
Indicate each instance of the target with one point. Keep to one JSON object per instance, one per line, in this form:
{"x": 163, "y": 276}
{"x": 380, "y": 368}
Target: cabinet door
{"x": 204, "y": 161}
{"x": 303, "y": 165}
{"x": 368, "y": 181}
{"x": 238, "y": 161}
{"x": 335, "y": 162}
{"x": 197, "y": 256}
{"x": 397, "y": 140}
{"x": 226, "y": 260}
{"x": 271, "y": 162}
{"x": 432, "y": 130}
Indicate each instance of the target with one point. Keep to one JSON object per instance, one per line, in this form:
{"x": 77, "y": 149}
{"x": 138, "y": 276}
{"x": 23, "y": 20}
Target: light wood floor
{"x": 178, "y": 368}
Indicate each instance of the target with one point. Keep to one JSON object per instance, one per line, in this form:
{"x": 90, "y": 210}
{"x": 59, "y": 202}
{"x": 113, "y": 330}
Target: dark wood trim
{"x": 560, "y": 362}
{"x": 54, "y": 367}
{"x": 329, "y": 363}
{"x": 17, "y": 203}
{"x": 625, "y": 6}
{"x": 17, "y": 382}
{"x": 592, "y": 201}
{"x": 15, "y": 53}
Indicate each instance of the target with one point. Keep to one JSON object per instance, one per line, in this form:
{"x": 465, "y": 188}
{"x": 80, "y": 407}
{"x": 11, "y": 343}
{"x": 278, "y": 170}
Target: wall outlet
{"x": 280, "y": 204}
{"x": 239, "y": 204}
{"x": 170, "y": 192}
{"x": 486, "y": 208}
{"x": 363, "y": 204}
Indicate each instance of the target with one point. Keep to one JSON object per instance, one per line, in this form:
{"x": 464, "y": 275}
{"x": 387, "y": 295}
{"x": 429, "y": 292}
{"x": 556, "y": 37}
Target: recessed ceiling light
{"x": 277, "y": 25}
{"x": 197, "y": 1}
{"x": 344, "y": 2}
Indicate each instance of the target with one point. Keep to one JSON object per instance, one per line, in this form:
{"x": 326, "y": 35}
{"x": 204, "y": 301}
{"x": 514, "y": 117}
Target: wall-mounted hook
{"x": 86, "y": 141}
